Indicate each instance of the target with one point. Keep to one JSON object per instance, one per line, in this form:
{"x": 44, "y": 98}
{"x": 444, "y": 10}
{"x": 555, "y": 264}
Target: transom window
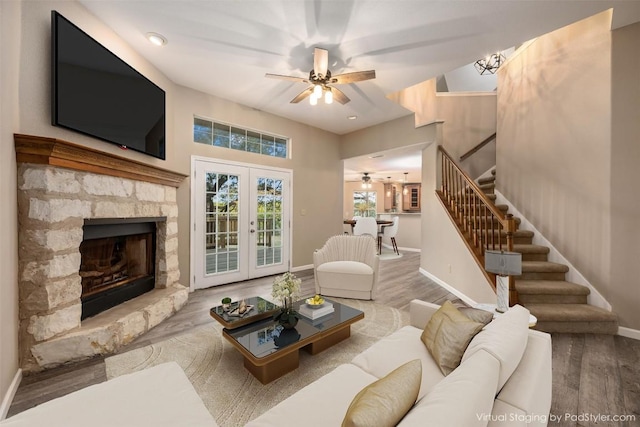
{"x": 364, "y": 203}
{"x": 218, "y": 134}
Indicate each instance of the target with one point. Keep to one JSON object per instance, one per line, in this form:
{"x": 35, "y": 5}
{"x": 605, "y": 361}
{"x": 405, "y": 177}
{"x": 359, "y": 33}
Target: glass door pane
{"x": 221, "y": 231}
{"x": 271, "y": 212}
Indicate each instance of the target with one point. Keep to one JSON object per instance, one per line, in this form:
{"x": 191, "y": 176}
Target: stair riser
{"x": 534, "y": 257}
{"x": 610, "y": 328}
{"x": 551, "y": 299}
{"x": 536, "y": 275}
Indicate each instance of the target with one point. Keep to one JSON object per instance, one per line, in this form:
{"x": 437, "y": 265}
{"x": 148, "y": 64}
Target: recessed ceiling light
{"x": 352, "y": 117}
{"x": 156, "y": 39}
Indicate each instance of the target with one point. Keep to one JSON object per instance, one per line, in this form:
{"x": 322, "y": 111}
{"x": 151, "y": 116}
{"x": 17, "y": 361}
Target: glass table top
{"x": 266, "y": 336}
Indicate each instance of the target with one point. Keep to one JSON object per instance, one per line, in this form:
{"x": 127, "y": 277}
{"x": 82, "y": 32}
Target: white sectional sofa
{"x": 504, "y": 379}
{"x": 161, "y": 396}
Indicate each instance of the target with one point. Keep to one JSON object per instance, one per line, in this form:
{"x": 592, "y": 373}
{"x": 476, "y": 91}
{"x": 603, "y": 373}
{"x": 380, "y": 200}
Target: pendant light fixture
{"x": 405, "y": 190}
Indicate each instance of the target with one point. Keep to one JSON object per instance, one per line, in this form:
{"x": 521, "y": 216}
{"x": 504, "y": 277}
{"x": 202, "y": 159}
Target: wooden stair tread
{"x": 550, "y": 287}
{"x": 487, "y": 180}
{"x": 544, "y": 266}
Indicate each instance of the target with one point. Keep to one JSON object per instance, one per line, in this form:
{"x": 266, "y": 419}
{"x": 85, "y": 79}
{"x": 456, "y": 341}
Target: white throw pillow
{"x": 464, "y": 398}
{"x": 505, "y": 338}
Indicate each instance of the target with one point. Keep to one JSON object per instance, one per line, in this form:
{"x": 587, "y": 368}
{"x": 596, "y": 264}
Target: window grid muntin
{"x": 218, "y": 134}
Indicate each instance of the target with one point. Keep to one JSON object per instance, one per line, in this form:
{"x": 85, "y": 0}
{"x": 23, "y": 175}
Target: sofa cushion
{"x": 351, "y": 275}
{"x": 506, "y": 338}
{"x": 346, "y": 267}
{"x": 528, "y": 390}
{"x": 397, "y": 349}
{"x": 386, "y": 401}
{"x": 322, "y": 403}
{"x": 447, "y": 335}
{"x": 462, "y": 398}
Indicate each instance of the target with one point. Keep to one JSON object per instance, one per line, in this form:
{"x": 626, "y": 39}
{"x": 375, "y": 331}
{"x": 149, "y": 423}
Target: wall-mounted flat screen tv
{"x": 96, "y": 93}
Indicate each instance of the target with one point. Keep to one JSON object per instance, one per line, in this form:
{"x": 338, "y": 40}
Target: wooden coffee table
{"x": 271, "y": 351}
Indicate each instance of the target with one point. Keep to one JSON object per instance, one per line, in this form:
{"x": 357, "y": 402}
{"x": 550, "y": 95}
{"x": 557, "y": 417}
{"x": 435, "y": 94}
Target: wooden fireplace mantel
{"x": 57, "y": 152}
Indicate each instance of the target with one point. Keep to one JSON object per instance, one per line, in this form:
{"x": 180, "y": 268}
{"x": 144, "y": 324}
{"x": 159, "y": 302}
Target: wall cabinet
{"x": 411, "y": 200}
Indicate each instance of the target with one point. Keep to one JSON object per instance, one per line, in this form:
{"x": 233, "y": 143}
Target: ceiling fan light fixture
{"x": 328, "y": 96}
{"x": 317, "y": 91}
{"x": 366, "y": 180}
{"x": 313, "y": 100}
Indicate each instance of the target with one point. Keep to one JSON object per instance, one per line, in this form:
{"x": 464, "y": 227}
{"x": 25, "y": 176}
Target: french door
{"x": 240, "y": 218}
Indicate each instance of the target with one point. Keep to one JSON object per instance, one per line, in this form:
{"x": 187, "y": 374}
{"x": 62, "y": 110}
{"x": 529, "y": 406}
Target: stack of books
{"x": 316, "y": 313}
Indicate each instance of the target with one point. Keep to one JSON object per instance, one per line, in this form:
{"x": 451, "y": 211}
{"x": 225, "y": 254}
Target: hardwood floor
{"x": 592, "y": 374}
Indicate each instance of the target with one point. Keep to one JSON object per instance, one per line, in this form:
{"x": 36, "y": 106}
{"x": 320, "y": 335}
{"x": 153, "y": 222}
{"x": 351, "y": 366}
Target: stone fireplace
{"x": 98, "y": 250}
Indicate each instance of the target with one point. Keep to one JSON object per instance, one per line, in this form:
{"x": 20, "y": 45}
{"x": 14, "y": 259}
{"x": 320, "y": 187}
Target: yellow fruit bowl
{"x": 315, "y": 302}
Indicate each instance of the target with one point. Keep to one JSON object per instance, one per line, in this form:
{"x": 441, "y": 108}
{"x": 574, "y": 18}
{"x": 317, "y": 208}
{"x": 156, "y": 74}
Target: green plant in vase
{"x": 226, "y": 303}
{"x": 286, "y": 289}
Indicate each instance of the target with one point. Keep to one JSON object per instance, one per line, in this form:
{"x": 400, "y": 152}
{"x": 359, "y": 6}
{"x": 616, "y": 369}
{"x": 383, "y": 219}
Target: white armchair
{"x": 347, "y": 267}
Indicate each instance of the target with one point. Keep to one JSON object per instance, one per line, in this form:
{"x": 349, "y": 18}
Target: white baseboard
{"x": 301, "y": 267}
{"x": 8, "y": 397}
{"x": 449, "y": 288}
{"x": 629, "y": 333}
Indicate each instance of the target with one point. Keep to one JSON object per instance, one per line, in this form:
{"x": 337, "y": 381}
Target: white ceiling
{"x": 225, "y": 47}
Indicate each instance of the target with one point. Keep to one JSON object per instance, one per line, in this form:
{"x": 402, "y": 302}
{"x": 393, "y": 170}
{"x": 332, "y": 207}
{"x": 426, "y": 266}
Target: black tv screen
{"x": 96, "y": 93}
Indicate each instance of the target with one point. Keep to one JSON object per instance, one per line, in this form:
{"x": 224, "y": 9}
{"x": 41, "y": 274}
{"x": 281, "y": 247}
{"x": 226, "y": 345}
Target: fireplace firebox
{"x": 117, "y": 262}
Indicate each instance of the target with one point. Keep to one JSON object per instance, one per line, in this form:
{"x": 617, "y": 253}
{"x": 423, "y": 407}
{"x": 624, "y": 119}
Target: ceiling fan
{"x": 320, "y": 78}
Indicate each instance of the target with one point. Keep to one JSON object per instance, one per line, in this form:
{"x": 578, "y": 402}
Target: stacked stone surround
{"x": 53, "y": 203}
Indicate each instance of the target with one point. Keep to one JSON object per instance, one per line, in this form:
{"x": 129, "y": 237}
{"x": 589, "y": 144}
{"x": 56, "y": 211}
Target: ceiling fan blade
{"x": 357, "y": 76}
{"x": 339, "y": 96}
{"x": 302, "y": 95}
{"x": 320, "y": 62}
{"x": 289, "y": 78}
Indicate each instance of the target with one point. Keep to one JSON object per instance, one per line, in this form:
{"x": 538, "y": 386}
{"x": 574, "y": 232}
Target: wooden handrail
{"x": 479, "y": 222}
{"x": 469, "y": 153}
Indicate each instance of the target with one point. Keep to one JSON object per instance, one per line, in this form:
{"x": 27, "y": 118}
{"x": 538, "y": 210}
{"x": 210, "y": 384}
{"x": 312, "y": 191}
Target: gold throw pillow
{"x": 386, "y": 401}
{"x": 477, "y": 315}
{"x": 447, "y": 336}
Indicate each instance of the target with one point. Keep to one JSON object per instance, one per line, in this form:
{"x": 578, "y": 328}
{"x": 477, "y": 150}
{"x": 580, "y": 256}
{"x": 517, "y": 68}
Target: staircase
{"x": 560, "y": 306}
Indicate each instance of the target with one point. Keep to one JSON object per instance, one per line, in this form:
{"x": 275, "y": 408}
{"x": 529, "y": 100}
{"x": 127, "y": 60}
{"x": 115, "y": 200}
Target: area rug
{"x": 230, "y": 392}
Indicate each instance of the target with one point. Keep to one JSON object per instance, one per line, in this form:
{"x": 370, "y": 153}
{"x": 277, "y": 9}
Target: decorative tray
{"x": 236, "y": 312}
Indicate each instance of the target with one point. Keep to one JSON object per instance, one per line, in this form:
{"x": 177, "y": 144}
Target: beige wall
{"x": 623, "y": 288}
{"x": 444, "y": 253}
{"x": 9, "y": 58}
{"x": 565, "y": 155}
{"x": 468, "y": 119}
{"x": 385, "y": 136}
